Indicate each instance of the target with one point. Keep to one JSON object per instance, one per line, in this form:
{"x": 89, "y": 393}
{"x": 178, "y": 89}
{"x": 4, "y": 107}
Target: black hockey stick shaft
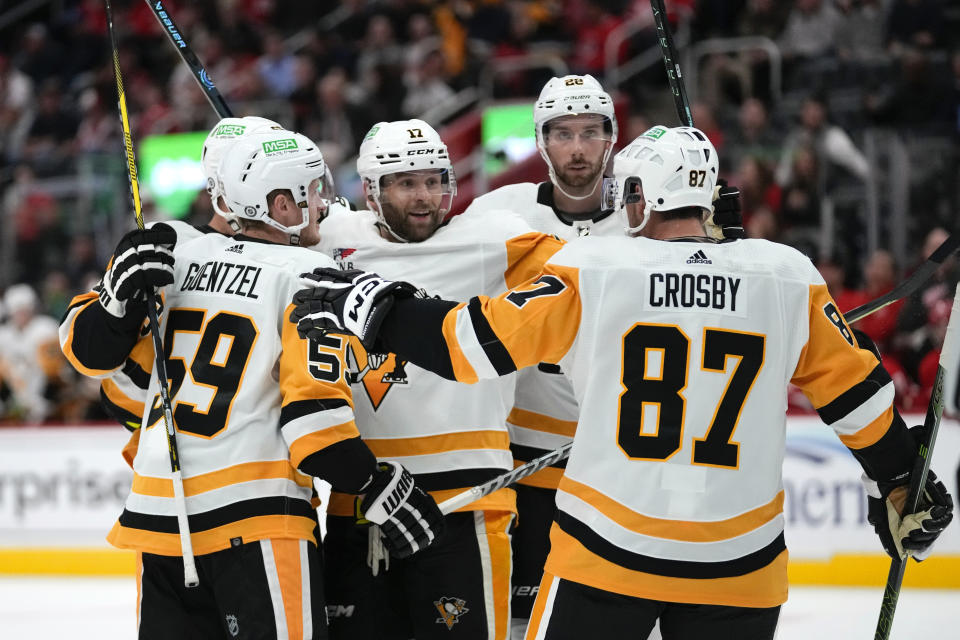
{"x": 475, "y": 493}
{"x": 918, "y": 475}
{"x": 190, "y": 577}
{"x": 671, "y": 62}
{"x": 911, "y": 284}
{"x": 190, "y": 58}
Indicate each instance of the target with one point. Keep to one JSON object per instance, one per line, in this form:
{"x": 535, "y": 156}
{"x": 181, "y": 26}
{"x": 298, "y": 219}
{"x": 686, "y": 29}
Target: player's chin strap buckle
{"x": 608, "y": 194}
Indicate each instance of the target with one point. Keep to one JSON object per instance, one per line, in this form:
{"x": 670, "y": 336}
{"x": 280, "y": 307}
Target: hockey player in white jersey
{"x": 257, "y": 410}
{"x": 576, "y": 130}
{"x": 449, "y": 436}
{"x": 680, "y": 350}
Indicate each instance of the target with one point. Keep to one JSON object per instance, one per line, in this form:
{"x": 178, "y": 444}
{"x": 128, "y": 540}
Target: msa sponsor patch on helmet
{"x": 230, "y": 130}
{"x": 371, "y": 133}
{"x": 655, "y": 132}
{"x": 278, "y": 146}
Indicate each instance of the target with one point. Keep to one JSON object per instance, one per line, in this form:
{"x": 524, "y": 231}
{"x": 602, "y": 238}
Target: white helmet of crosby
{"x": 568, "y": 96}
{"x": 400, "y": 146}
{"x": 221, "y": 136}
{"x": 257, "y": 164}
{"x": 672, "y": 167}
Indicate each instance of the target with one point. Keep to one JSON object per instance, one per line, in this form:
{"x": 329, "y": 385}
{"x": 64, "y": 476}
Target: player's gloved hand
{"x": 409, "y": 518}
{"x": 913, "y": 533}
{"x": 353, "y": 301}
{"x": 142, "y": 262}
{"x": 726, "y": 210}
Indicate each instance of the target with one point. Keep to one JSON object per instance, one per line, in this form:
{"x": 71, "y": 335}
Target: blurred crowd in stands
{"x": 854, "y": 98}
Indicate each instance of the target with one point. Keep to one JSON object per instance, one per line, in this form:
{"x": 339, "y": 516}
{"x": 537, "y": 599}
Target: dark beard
{"x": 580, "y": 180}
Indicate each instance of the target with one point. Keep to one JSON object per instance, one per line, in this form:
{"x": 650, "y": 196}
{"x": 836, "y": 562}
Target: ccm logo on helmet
{"x": 419, "y": 152}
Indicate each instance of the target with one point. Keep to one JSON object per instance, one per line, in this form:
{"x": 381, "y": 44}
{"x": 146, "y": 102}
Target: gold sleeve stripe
{"x": 313, "y": 442}
{"x": 871, "y": 433}
{"x": 570, "y": 560}
{"x": 122, "y": 400}
{"x": 341, "y": 504}
{"x": 67, "y": 345}
{"x": 442, "y": 443}
{"x": 526, "y": 256}
{"x": 246, "y": 472}
{"x": 680, "y": 530}
{"x": 547, "y": 584}
{"x": 461, "y": 367}
{"x": 829, "y": 365}
{"x": 540, "y": 422}
{"x": 129, "y": 451}
{"x": 216, "y": 539}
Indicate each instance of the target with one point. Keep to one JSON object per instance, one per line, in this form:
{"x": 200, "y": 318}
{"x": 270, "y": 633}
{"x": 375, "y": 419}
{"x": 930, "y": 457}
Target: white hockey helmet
{"x": 221, "y": 136}
{"x": 568, "y": 96}
{"x": 674, "y": 168}
{"x": 403, "y": 146}
{"x": 260, "y": 163}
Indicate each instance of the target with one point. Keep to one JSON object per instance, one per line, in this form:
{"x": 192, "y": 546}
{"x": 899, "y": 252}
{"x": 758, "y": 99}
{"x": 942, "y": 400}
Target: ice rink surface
{"x": 103, "y": 609}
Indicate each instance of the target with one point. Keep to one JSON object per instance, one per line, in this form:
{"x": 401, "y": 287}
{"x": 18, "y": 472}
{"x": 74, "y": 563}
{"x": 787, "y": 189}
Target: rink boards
{"x": 62, "y": 487}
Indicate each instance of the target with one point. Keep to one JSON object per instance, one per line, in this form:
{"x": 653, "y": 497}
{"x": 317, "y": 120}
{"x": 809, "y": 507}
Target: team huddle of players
{"x": 663, "y": 353}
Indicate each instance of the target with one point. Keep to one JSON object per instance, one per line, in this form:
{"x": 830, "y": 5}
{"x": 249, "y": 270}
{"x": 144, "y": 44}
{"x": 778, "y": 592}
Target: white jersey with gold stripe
{"x": 250, "y": 400}
{"x": 680, "y": 355}
{"x": 448, "y": 435}
{"x": 545, "y": 410}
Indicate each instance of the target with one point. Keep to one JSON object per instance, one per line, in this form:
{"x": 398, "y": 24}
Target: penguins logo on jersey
{"x": 376, "y": 372}
{"x": 450, "y": 610}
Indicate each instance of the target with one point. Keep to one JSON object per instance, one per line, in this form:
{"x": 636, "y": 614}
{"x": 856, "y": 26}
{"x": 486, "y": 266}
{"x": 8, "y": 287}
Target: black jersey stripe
{"x": 669, "y": 568}
{"x": 524, "y": 453}
{"x": 497, "y": 353}
{"x": 137, "y": 375}
{"x": 458, "y": 479}
{"x": 302, "y": 408}
{"x": 855, "y": 396}
{"x": 235, "y": 512}
{"x": 130, "y": 421}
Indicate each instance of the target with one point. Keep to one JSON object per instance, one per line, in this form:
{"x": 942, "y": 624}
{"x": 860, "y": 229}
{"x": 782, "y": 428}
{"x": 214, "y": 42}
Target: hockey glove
{"x": 409, "y": 518}
{"x": 726, "y": 210}
{"x": 914, "y": 533}
{"x": 142, "y": 261}
{"x": 353, "y": 301}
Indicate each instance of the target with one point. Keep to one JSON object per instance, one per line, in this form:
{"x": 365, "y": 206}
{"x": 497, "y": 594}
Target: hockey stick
{"x": 911, "y": 284}
{"x": 669, "y": 52}
{"x": 190, "y": 577}
{"x": 918, "y": 476}
{"x": 475, "y": 493}
{"x": 190, "y": 58}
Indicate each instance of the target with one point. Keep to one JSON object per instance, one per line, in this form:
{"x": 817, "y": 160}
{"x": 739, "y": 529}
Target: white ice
{"x": 104, "y": 609}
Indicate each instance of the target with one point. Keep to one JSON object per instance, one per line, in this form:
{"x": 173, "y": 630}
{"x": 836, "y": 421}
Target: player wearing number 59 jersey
{"x": 258, "y": 411}
{"x": 680, "y": 353}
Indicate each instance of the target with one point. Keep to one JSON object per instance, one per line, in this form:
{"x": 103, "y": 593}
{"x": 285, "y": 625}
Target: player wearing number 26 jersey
{"x": 680, "y": 353}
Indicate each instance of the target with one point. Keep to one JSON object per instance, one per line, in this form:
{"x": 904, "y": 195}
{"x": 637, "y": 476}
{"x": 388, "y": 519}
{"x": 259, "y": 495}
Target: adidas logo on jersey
{"x": 699, "y": 258}
{"x": 237, "y": 248}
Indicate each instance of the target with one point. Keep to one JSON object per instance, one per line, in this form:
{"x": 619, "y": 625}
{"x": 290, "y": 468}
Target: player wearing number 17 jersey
{"x": 680, "y": 353}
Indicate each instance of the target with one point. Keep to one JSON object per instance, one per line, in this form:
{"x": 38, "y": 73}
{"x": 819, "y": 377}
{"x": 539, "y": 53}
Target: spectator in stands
{"x": 765, "y": 18}
{"x": 758, "y": 190}
{"x": 276, "y": 66}
{"x": 591, "y": 34}
{"x": 914, "y": 24}
{"x": 879, "y": 277}
{"x": 800, "y": 203}
{"x": 16, "y": 99}
{"x": 861, "y": 34}
{"x": 31, "y": 365}
{"x": 918, "y": 99}
{"x": 753, "y": 137}
{"x": 810, "y": 31}
{"x": 379, "y": 46}
{"x": 426, "y": 87}
{"x": 337, "y": 125}
{"x": 835, "y": 275}
{"x": 50, "y": 139}
{"x": 830, "y": 144}
{"x": 39, "y": 56}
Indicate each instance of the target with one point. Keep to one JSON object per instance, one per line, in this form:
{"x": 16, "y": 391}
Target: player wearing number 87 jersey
{"x": 258, "y": 412}
{"x": 680, "y": 353}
